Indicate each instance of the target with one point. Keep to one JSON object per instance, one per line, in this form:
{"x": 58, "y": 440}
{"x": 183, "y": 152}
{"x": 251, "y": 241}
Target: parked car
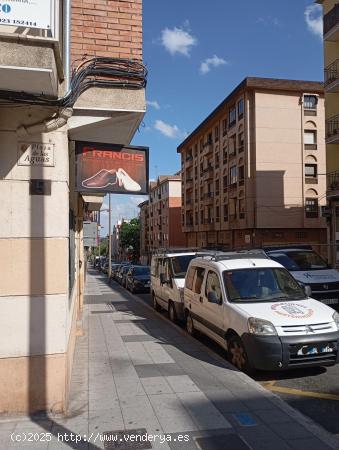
{"x": 168, "y": 272}
{"x": 123, "y": 273}
{"x": 138, "y": 279}
{"x": 254, "y": 308}
{"x": 307, "y": 267}
{"x": 115, "y": 267}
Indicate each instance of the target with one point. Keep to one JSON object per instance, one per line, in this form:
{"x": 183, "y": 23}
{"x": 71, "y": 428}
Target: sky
{"x": 197, "y": 52}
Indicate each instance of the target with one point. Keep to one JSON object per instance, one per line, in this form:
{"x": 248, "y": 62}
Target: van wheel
{"x": 172, "y": 312}
{"x": 189, "y": 325}
{"x": 237, "y": 355}
{"x": 155, "y": 303}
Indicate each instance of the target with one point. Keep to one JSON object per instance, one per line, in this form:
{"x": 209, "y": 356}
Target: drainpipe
{"x": 66, "y": 43}
{"x": 48, "y": 125}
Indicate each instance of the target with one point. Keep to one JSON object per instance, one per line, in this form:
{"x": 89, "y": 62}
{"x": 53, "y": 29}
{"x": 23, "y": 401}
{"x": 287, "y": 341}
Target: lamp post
{"x": 109, "y": 209}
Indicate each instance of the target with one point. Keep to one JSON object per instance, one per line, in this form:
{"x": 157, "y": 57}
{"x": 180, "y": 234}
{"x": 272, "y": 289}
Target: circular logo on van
{"x": 293, "y": 310}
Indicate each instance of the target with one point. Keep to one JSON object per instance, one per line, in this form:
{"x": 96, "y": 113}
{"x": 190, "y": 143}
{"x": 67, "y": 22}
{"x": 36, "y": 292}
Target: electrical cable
{"x": 101, "y": 72}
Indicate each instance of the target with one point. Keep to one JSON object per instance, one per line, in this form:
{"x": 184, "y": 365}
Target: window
{"x": 311, "y": 170}
{"x": 198, "y": 279}
{"x": 241, "y": 141}
{"x": 310, "y": 139}
{"x": 241, "y": 108}
{"x": 217, "y": 214}
{"x": 213, "y": 285}
{"x": 224, "y": 127}
{"x": 225, "y": 213}
{"x": 224, "y": 183}
{"x": 189, "y": 278}
{"x": 311, "y": 208}
{"x": 209, "y": 138}
{"x": 233, "y": 175}
{"x": 310, "y": 102}
{"x": 242, "y": 208}
{"x": 217, "y": 187}
{"x": 232, "y": 143}
{"x": 201, "y": 217}
{"x": 232, "y": 116}
{"x": 216, "y": 133}
{"x": 241, "y": 173}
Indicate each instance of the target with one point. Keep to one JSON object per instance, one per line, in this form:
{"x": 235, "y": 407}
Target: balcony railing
{"x": 332, "y": 129}
{"x": 332, "y": 73}
{"x": 333, "y": 181}
{"x": 331, "y": 19}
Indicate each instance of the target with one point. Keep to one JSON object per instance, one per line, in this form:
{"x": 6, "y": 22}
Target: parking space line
{"x": 299, "y": 392}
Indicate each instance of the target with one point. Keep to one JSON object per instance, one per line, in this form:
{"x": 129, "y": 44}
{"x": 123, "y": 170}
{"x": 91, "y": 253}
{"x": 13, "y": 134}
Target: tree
{"x": 130, "y": 238}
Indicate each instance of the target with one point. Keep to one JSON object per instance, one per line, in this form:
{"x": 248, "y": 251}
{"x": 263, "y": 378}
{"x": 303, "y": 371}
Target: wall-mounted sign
{"x": 35, "y": 154}
{"x": 90, "y": 234}
{"x": 27, "y": 13}
{"x": 104, "y": 168}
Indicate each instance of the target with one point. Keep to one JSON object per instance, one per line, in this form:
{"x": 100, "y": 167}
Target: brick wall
{"x": 106, "y": 28}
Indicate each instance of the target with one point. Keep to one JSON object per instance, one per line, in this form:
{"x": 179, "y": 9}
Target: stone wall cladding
{"x": 111, "y": 28}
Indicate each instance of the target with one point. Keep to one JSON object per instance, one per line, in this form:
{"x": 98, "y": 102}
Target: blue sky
{"x": 196, "y": 55}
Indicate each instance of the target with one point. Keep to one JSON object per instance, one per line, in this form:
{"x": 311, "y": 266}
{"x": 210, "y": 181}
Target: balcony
{"x": 331, "y": 24}
{"x": 332, "y": 130}
{"x": 207, "y": 148}
{"x": 208, "y": 197}
{"x": 208, "y": 173}
{"x": 189, "y": 161}
{"x": 189, "y": 182}
{"x": 332, "y": 77}
{"x": 333, "y": 185}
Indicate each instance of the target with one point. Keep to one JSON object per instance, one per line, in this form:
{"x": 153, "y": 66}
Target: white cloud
{"x": 177, "y": 40}
{"x": 170, "y": 131}
{"x": 215, "y": 61}
{"x": 153, "y": 103}
{"x": 314, "y": 19}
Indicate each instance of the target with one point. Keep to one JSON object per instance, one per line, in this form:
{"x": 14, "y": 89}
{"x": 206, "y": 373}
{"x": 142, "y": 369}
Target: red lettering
{"x": 116, "y": 155}
{"x": 87, "y": 150}
{"x": 97, "y": 153}
{"x": 139, "y": 158}
{"x": 107, "y": 154}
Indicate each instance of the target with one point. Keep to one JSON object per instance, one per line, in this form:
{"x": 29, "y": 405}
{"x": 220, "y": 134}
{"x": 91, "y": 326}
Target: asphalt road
{"x": 314, "y": 392}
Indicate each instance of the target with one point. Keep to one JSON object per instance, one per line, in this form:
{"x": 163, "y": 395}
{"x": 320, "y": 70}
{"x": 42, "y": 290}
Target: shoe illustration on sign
{"x": 105, "y": 177}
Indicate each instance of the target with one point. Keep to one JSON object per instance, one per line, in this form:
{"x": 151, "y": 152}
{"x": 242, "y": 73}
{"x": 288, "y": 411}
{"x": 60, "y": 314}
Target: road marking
{"x": 270, "y": 385}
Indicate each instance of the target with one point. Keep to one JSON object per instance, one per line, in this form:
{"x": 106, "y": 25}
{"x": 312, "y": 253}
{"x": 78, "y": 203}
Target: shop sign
{"x": 27, "y": 13}
{"x": 111, "y": 168}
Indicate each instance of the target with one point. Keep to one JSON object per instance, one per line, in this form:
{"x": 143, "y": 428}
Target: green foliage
{"x": 130, "y": 237}
{"x": 103, "y": 248}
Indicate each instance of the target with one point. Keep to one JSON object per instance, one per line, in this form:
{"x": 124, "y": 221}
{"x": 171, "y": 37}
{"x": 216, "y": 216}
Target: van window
{"x": 198, "y": 279}
{"x": 156, "y": 262}
{"x": 180, "y": 264}
{"x": 189, "y": 278}
{"x": 299, "y": 260}
{"x": 213, "y": 284}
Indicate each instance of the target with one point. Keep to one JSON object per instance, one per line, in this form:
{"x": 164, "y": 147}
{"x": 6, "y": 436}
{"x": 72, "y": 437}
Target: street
{"x": 312, "y": 391}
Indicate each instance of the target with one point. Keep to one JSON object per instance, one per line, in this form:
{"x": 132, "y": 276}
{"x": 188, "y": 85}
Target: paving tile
{"x": 308, "y": 443}
{"x": 172, "y": 415}
{"x": 205, "y": 415}
{"x": 156, "y": 385}
{"x": 182, "y": 383}
{"x": 292, "y": 430}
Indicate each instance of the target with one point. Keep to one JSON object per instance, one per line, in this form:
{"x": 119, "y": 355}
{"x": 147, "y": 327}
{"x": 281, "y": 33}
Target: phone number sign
{"x": 27, "y": 13}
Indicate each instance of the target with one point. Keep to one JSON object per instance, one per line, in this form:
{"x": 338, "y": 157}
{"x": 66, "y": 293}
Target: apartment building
{"x": 64, "y": 77}
{"x": 164, "y": 214}
{"x": 331, "y": 63}
{"x": 253, "y": 170}
{"x": 144, "y": 232}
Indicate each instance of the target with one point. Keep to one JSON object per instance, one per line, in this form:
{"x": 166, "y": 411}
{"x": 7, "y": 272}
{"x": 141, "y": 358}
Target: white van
{"x": 259, "y": 313}
{"x": 168, "y": 272}
{"x": 307, "y": 267}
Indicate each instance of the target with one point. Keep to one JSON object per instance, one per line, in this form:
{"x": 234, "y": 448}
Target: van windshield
{"x": 180, "y": 265}
{"x": 299, "y": 260}
{"x": 264, "y": 284}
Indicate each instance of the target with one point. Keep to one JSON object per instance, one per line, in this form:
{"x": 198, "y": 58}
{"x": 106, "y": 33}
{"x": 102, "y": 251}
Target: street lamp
{"x": 109, "y": 236}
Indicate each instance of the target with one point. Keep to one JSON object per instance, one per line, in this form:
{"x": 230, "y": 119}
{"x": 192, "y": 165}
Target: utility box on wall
{"x": 90, "y": 234}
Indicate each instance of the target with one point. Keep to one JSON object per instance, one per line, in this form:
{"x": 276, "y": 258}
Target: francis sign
{"x": 27, "y": 13}
{"x": 105, "y": 168}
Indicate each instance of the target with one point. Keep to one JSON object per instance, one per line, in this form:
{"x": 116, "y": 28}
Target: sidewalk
{"x": 136, "y": 372}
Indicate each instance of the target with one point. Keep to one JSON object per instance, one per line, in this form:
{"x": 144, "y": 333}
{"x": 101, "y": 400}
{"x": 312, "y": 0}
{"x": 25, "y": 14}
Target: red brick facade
{"x": 111, "y": 28}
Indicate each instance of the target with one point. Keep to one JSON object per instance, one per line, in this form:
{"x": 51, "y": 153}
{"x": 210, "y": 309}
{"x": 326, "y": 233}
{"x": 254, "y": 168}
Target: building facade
{"x": 144, "y": 232}
{"x": 45, "y": 107}
{"x": 331, "y": 64}
{"x": 161, "y": 217}
{"x": 253, "y": 170}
